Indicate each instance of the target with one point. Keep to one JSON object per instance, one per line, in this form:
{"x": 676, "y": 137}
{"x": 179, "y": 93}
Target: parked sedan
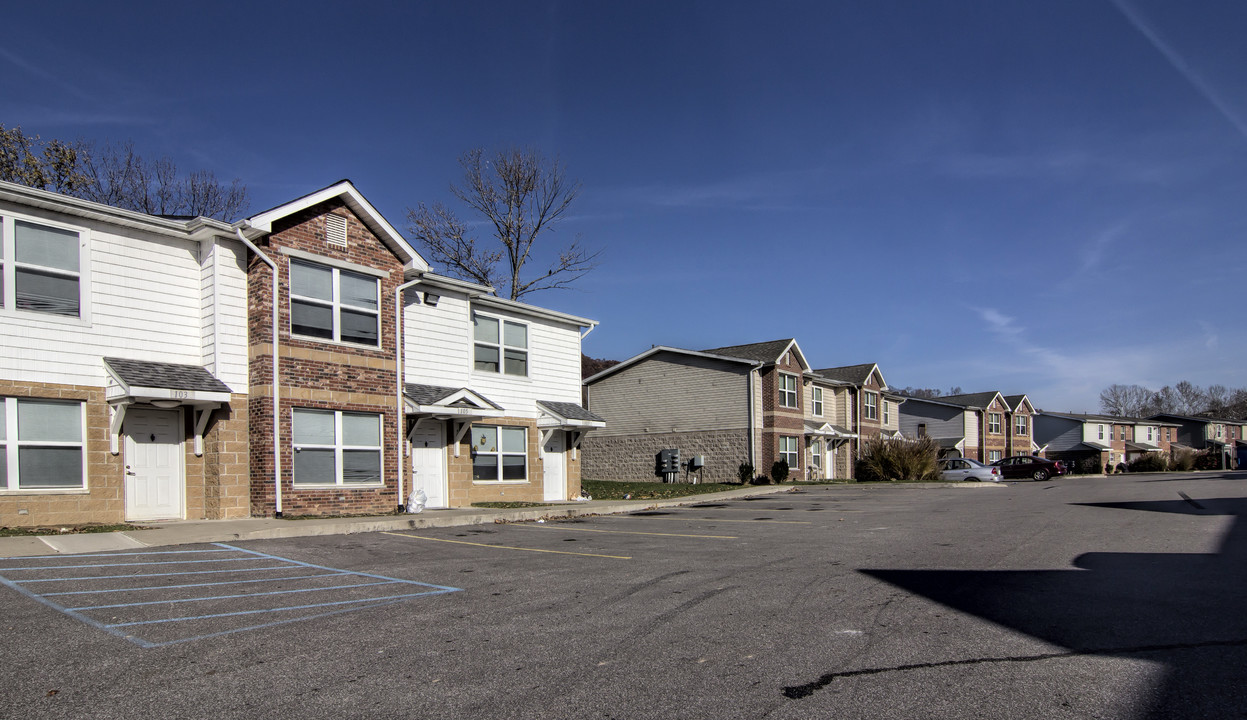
{"x": 1029, "y": 467}
{"x": 958, "y": 469}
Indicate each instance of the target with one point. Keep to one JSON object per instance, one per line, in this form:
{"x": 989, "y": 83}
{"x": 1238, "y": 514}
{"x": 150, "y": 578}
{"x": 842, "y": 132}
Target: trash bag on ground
{"x": 416, "y": 501}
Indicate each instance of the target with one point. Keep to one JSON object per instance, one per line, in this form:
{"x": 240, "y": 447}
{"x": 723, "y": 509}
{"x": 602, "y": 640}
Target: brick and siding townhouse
{"x": 158, "y": 336}
{"x": 736, "y": 405}
{"x": 985, "y": 417}
{"x": 874, "y": 407}
{"x": 1088, "y": 442}
{"x": 828, "y": 437}
{"x": 1019, "y": 425}
{"x": 1206, "y": 434}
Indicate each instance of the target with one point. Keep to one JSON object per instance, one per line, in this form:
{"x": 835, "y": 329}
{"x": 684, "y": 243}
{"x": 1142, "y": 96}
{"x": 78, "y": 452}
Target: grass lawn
{"x": 65, "y": 530}
{"x": 609, "y": 490}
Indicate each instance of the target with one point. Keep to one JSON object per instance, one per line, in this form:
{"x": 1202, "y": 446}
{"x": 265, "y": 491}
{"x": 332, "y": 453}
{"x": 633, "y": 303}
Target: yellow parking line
{"x": 625, "y": 532}
{"x": 686, "y": 518}
{"x": 506, "y": 547}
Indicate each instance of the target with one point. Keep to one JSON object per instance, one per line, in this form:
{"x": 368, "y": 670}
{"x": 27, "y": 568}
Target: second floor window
{"x": 870, "y": 406}
{"x": 334, "y": 304}
{"x": 500, "y": 345}
{"x": 887, "y": 412}
{"x": 1101, "y": 436}
{"x": 817, "y": 396}
{"x": 1019, "y": 425}
{"x": 40, "y": 268}
{"x": 787, "y": 391}
{"x": 993, "y": 423}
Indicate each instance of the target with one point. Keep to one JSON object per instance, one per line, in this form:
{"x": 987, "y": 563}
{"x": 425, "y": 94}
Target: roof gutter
{"x": 276, "y": 366}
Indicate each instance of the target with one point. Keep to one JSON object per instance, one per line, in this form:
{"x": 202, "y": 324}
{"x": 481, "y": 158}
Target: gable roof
{"x": 764, "y": 352}
{"x": 857, "y": 375}
{"x": 170, "y": 376}
{"x": 973, "y": 400}
{"x": 641, "y": 357}
{"x": 1013, "y": 401}
{"x": 345, "y": 191}
{"x": 438, "y": 400}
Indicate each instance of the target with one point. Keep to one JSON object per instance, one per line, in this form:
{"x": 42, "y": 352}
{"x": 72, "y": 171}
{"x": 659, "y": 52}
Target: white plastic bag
{"x": 416, "y": 501}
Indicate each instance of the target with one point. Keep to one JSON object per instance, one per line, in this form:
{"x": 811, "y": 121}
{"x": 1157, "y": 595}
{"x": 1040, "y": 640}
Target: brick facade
{"x": 316, "y": 373}
{"x": 779, "y": 421}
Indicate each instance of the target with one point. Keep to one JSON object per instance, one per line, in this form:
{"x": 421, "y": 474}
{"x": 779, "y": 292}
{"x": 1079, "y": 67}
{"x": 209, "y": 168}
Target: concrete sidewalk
{"x": 184, "y": 532}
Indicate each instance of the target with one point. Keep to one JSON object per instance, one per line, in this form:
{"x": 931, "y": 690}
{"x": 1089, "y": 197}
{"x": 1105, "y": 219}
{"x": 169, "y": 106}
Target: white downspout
{"x": 401, "y": 419}
{"x": 753, "y": 450}
{"x": 276, "y": 370}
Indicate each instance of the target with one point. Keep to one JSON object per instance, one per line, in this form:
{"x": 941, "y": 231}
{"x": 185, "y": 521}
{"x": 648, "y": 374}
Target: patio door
{"x": 154, "y": 481}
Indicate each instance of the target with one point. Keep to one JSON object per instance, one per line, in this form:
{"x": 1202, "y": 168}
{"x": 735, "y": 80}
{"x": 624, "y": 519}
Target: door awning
{"x": 567, "y": 415}
{"x": 444, "y": 403}
{"x": 163, "y": 385}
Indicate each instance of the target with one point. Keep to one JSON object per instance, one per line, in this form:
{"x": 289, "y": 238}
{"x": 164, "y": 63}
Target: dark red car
{"x": 1029, "y": 467}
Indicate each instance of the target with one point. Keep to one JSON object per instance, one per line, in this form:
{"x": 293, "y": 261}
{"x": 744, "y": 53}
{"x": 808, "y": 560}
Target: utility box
{"x": 667, "y": 464}
{"x": 697, "y": 463}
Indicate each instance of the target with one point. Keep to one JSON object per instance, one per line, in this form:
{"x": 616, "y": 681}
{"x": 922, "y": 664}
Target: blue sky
{"x": 1039, "y": 197}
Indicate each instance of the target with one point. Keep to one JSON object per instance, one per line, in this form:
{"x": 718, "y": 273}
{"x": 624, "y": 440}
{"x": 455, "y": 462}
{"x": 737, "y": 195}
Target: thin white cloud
{"x": 42, "y": 74}
{"x": 1180, "y": 65}
{"x": 1094, "y": 251}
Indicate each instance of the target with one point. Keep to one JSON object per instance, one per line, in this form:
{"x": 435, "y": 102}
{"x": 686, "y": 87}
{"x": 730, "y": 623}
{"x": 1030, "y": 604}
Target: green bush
{"x": 1150, "y": 462}
{"x": 1208, "y": 460}
{"x": 761, "y": 480}
{"x": 779, "y": 471}
{"x": 1090, "y": 466}
{"x": 1183, "y": 460}
{"x": 898, "y": 459}
{"x": 745, "y": 473}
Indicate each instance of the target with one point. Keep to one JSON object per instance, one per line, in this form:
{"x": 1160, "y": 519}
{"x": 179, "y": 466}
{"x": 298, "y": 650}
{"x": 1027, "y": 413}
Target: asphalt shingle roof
{"x": 980, "y": 400}
{"x": 571, "y": 411}
{"x": 762, "y": 352}
{"x": 171, "y": 376}
{"x": 434, "y": 394}
{"x": 855, "y": 374}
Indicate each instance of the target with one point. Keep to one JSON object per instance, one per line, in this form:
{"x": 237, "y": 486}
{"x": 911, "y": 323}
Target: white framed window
{"x": 334, "y": 447}
{"x": 41, "y": 268}
{"x": 499, "y": 453}
{"x": 788, "y": 451}
{"x": 1101, "y": 436}
{"x": 1020, "y": 425}
{"x": 330, "y": 303}
{"x": 887, "y": 412}
{"x": 993, "y": 455}
{"x": 870, "y": 406}
{"x": 816, "y": 396}
{"x": 41, "y": 446}
{"x": 1220, "y": 430}
{"x": 816, "y": 455}
{"x": 787, "y": 390}
{"x": 1149, "y": 434}
{"x": 994, "y": 421}
{"x": 500, "y": 345}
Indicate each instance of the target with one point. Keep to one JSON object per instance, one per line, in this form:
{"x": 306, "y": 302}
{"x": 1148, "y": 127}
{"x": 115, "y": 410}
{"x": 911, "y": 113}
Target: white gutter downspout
{"x": 588, "y": 330}
{"x": 753, "y": 449}
{"x": 276, "y": 369}
{"x": 401, "y": 419}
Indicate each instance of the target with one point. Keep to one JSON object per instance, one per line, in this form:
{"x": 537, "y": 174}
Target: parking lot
{"x": 1114, "y": 597}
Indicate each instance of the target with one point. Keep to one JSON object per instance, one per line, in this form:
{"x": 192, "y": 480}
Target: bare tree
{"x": 1190, "y": 397}
{"x": 1125, "y": 400}
{"x": 116, "y": 176}
{"x": 520, "y": 195}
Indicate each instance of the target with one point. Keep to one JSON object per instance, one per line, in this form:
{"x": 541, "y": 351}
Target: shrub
{"x": 898, "y": 459}
{"x": 1208, "y": 460}
{"x": 1150, "y": 462}
{"x": 761, "y": 480}
{"x": 779, "y": 471}
{"x": 745, "y": 473}
{"x": 1183, "y": 460}
{"x": 1089, "y": 466}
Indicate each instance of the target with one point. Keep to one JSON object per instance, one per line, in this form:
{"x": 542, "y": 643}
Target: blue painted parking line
{"x": 135, "y": 616}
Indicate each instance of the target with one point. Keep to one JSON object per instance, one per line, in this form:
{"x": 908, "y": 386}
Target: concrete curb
{"x": 205, "y": 531}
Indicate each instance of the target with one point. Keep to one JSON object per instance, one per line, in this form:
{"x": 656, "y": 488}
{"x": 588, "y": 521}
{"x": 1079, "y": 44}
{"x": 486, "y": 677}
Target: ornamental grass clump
{"x": 885, "y": 459}
{"x": 1183, "y": 460}
{"x": 1150, "y": 462}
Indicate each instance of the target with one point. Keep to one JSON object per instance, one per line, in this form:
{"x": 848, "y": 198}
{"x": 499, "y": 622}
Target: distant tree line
{"x": 116, "y": 175}
{"x": 929, "y": 393}
{"x": 592, "y": 366}
{"x": 1184, "y": 398}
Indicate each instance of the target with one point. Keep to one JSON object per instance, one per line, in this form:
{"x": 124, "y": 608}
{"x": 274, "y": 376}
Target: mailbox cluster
{"x": 668, "y": 466}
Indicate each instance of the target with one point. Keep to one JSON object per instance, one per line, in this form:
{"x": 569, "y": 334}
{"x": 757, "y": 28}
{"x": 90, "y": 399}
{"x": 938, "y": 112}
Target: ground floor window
{"x": 993, "y": 455}
{"x": 332, "y": 447}
{"x": 816, "y": 456}
{"x": 499, "y": 453}
{"x": 41, "y": 444}
{"x": 788, "y": 451}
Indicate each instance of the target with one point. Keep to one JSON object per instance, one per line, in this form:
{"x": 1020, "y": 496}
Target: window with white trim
{"x": 870, "y": 406}
{"x": 1149, "y": 434}
{"x": 787, "y": 390}
{"x": 887, "y": 412}
{"x": 1101, "y": 436}
{"x": 816, "y": 455}
{"x": 334, "y": 447}
{"x": 993, "y": 455}
{"x": 994, "y": 421}
{"x": 334, "y": 304}
{"x": 817, "y": 401}
{"x": 499, "y": 453}
{"x": 500, "y": 345}
{"x": 1020, "y": 425}
{"x": 40, "y": 268}
{"x": 41, "y": 445}
{"x": 788, "y": 451}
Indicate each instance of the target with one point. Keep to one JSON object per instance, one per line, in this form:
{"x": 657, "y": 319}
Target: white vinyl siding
{"x": 41, "y": 446}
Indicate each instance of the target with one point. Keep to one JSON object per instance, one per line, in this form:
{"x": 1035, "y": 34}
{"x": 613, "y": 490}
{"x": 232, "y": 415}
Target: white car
{"x": 961, "y": 469}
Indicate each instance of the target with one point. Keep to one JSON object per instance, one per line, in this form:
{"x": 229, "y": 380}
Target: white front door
{"x": 554, "y": 478}
{"x": 428, "y": 463}
{"x": 155, "y": 486}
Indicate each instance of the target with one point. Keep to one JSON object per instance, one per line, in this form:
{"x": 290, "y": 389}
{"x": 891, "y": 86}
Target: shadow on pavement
{"x": 1188, "y": 611}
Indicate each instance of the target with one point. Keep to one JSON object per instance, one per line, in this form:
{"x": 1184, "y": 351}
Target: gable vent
{"x": 335, "y": 230}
